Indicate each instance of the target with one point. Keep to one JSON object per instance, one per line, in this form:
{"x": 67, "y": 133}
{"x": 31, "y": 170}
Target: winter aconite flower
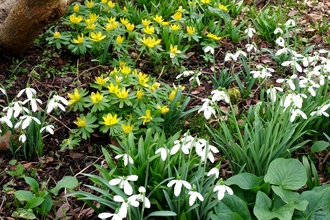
{"x": 97, "y": 37}
{"x": 96, "y": 97}
{"x": 174, "y": 50}
{"x": 147, "y": 117}
{"x": 178, "y": 185}
{"x": 190, "y": 30}
{"x": 57, "y": 35}
{"x": 75, "y": 19}
{"x": 81, "y": 122}
{"x": 123, "y": 183}
{"x": 110, "y": 119}
{"x": 119, "y": 39}
{"x": 213, "y": 36}
{"x": 79, "y": 40}
{"x": 127, "y": 128}
{"x": 150, "y": 42}
{"x": 74, "y": 97}
{"x": 149, "y": 30}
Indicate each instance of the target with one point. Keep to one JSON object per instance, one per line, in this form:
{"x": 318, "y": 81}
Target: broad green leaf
{"x": 233, "y": 204}
{"x": 33, "y": 183}
{"x": 288, "y": 173}
{"x": 285, "y": 195}
{"x": 23, "y": 195}
{"x": 68, "y": 182}
{"x": 245, "y": 181}
{"x": 46, "y": 206}
{"x": 319, "y": 146}
{"x": 34, "y": 202}
{"x": 226, "y": 216}
{"x": 162, "y": 213}
{"x": 22, "y": 213}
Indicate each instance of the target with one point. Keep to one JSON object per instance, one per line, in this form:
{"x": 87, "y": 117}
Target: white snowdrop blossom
{"x": 15, "y": 108}
{"x": 251, "y": 47}
{"x": 294, "y": 100}
{"x": 209, "y": 49}
{"x": 278, "y": 30}
{"x": 230, "y": 56}
{"x": 5, "y": 119}
{"x": 289, "y": 81}
{"x": 33, "y": 102}
{"x": 125, "y": 204}
{"x": 290, "y": 23}
{"x": 141, "y": 197}
{"x": 113, "y": 216}
{"x": 221, "y": 189}
{"x": 185, "y": 144}
{"x": 55, "y": 102}
{"x": 30, "y": 92}
{"x": 321, "y": 111}
{"x": 123, "y": 183}
{"x": 203, "y": 149}
{"x": 280, "y": 41}
{"x": 163, "y": 153}
{"x": 309, "y": 84}
{"x": 207, "y": 108}
{"x": 293, "y": 63}
{"x": 193, "y": 196}
{"x": 272, "y": 92}
{"x": 214, "y": 171}
{"x": 48, "y": 128}
{"x": 262, "y": 72}
{"x": 185, "y": 74}
{"x": 25, "y": 120}
{"x": 250, "y": 31}
{"x": 196, "y": 77}
{"x": 297, "y": 112}
{"x": 178, "y": 185}
{"x": 219, "y": 95}
{"x": 126, "y": 158}
{"x": 22, "y": 138}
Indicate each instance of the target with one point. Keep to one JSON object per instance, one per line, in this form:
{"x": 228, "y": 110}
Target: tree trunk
{"x": 24, "y": 21}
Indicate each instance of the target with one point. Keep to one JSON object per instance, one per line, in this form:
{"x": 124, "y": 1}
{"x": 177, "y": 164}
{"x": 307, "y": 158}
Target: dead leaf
{"x": 76, "y": 155}
{"x": 292, "y": 13}
{"x": 61, "y": 212}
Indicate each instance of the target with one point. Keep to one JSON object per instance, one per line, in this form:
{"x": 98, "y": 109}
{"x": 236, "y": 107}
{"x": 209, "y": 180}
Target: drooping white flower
{"x": 113, "y": 216}
{"x": 22, "y": 138}
{"x": 207, "y": 108}
{"x": 196, "y": 77}
{"x": 185, "y": 73}
{"x": 289, "y": 81}
{"x": 178, "y": 185}
{"x": 293, "y": 63}
{"x": 123, "y": 183}
{"x": 290, "y": 23}
{"x": 309, "y": 84}
{"x": 297, "y": 112}
{"x": 251, "y": 47}
{"x": 3, "y": 91}
{"x": 48, "y": 128}
{"x": 322, "y": 111}
{"x": 205, "y": 150}
{"x": 55, "y": 102}
{"x": 280, "y": 41}
{"x": 250, "y": 31}
{"x": 126, "y": 158}
{"x": 278, "y": 30}
{"x": 209, "y": 49}
{"x": 25, "y": 120}
{"x": 262, "y": 72}
{"x": 193, "y": 196}
{"x": 230, "y": 56}
{"x": 163, "y": 153}
{"x": 272, "y": 92}
{"x": 219, "y": 95}
{"x": 33, "y": 102}
{"x": 214, "y": 171}
{"x": 30, "y": 92}
{"x": 221, "y": 189}
{"x": 294, "y": 100}
{"x": 5, "y": 119}
{"x": 141, "y": 197}
{"x": 185, "y": 144}
{"x": 125, "y": 204}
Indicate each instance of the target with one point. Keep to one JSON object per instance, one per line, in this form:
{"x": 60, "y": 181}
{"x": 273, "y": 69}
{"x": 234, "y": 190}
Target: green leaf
{"x": 227, "y": 216}
{"x": 68, "y": 182}
{"x": 34, "y": 202}
{"x": 33, "y": 183}
{"x": 245, "y": 181}
{"x": 233, "y": 204}
{"x": 285, "y": 195}
{"x": 47, "y": 205}
{"x": 23, "y": 195}
{"x": 288, "y": 173}
{"x": 22, "y": 213}
{"x": 162, "y": 214}
{"x": 319, "y": 146}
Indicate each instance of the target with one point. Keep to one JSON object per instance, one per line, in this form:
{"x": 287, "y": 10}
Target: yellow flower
{"x": 177, "y": 15}
{"x": 213, "y": 36}
{"x": 149, "y": 30}
{"x": 150, "y": 41}
{"x": 110, "y": 120}
{"x": 125, "y": 9}
{"x": 190, "y": 30}
{"x": 111, "y": 19}
{"x": 122, "y": 63}
{"x": 129, "y": 27}
{"x": 127, "y": 128}
{"x": 76, "y": 8}
{"x": 180, "y": 9}
{"x": 74, "y": 97}
{"x": 192, "y": 3}
{"x": 165, "y": 23}
{"x": 119, "y": 39}
{"x": 90, "y": 24}
{"x": 118, "y": 79}
{"x": 79, "y": 40}
{"x": 93, "y": 17}
{"x": 143, "y": 79}
{"x": 172, "y": 95}
{"x": 110, "y": 26}
{"x": 96, "y": 97}
{"x": 104, "y": 1}
{"x": 101, "y": 81}
{"x": 205, "y": 2}
{"x": 163, "y": 109}
{"x": 146, "y": 22}
{"x": 222, "y": 7}
{"x": 114, "y": 71}
{"x": 125, "y": 70}
{"x": 112, "y": 88}
{"x": 158, "y": 19}
{"x": 111, "y": 4}
{"x": 146, "y": 118}
{"x": 175, "y": 27}
{"x": 154, "y": 86}
{"x": 124, "y": 21}
{"x": 89, "y": 4}
{"x": 97, "y": 37}
{"x": 174, "y": 50}
{"x": 139, "y": 94}
{"x": 75, "y": 19}
{"x": 81, "y": 122}
{"x": 57, "y": 35}
{"x": 122, "y": 94}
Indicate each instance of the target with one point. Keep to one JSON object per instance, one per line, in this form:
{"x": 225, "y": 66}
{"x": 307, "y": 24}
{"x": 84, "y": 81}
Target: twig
{"x": 81, "y": 171}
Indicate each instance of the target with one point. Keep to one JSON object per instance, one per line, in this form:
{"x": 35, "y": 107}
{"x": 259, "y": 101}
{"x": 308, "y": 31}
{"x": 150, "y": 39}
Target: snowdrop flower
{"x": 219, "y": 95}
{"x": 297, "y": 112}
{"x": 178, "y": 185}
{"x": 278, "y": 30}
{"x": 25, "y": 120}
{"x": 33, "y": 102}
{"x": 214, "y": 171}
{"x": 321, "y": 111}
{"x": 5, "y": 119}
{"x": 283, "y": 50}
{"x": 193, "y": 196}
{"x": 195, "y": 77}
{"x": 272, "y": 92}
{"x": 209, "y": 49}
{"x": 15, "y": 108}
{"x": 203, "y": 149}
{"x": 262, "y": 72}
{"x": 250, "y": 31}
{"x": 293, "y": 99}
{"x": 3, "y": 91}
{"x": 290, "y": 23}
{"x": 125, "y": 204}
{"x": 30, "y": 92}
{"x": 185, "y": 73}
{"x": 250, "y": 47}
{"x": 22, "y": 138}
{"x": 288, "y": 81}
{"x": 185, "y": 144}
{"x": 141, "y": 197}
{"x": 55, "y": 102}
{"x": 207, "y": 108}
{"x": 163, "y": 153}
{"x": 48, "y": 128}
{"x": 230, "y": 56}
{"x": 113, "y": 216}
{"x": 127, "y": 158}
{"x": 123, "y": 183}
{"x": 221, "y": 191}
{"x": 280, "y": 41}
{"x": 309, "y": 84}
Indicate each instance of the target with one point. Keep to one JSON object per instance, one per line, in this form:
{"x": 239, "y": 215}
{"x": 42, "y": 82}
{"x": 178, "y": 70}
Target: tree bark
{"x": 25, "y": 21}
